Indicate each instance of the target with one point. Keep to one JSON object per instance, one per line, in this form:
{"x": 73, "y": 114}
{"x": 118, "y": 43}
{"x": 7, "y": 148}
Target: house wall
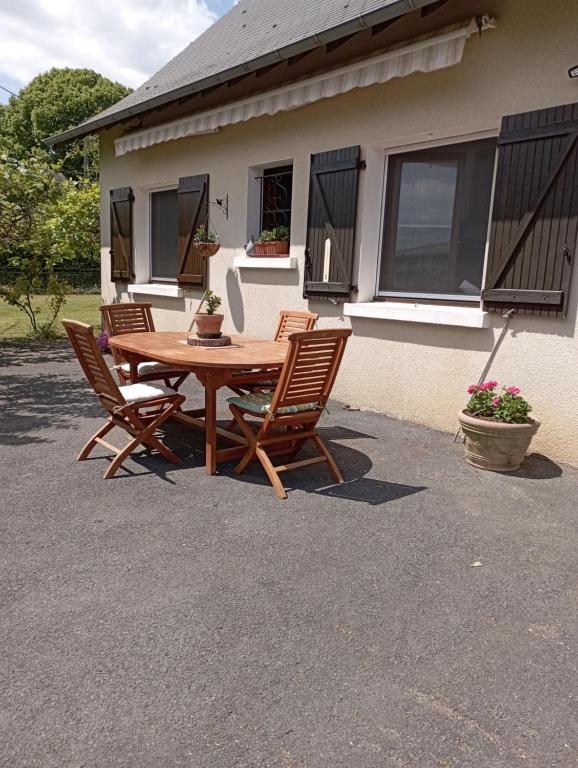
{"x": 412, "y": 370}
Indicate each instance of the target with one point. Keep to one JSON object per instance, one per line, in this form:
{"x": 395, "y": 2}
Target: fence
{"x": 81, "y": 279}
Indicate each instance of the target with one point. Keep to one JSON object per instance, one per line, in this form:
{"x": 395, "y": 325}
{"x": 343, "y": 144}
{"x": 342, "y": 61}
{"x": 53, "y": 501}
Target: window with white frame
{"x": 270, "y": 198}
{"x": 276, "y": 192}
{"x": 164, "y": 234}
{"x": 436, "y": 221}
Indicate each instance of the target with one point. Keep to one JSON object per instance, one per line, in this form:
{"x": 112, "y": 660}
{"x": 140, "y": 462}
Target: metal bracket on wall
{"x": 222, "y": 203}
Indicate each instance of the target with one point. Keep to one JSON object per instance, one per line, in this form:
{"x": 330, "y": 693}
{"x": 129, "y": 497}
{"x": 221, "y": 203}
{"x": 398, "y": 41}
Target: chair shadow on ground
{"x": 354, "y": 464}
{"x": 44, "y": 403}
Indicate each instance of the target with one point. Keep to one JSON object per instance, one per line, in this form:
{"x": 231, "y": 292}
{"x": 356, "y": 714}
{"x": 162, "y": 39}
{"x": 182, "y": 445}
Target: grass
{"x": 14, "y": 325}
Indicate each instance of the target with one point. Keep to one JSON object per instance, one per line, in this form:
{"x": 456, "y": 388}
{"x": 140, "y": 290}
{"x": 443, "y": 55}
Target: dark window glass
{"x": 436, "y": 219}
{"x": 276, "y": 191}
{"x": 164, "y": 234}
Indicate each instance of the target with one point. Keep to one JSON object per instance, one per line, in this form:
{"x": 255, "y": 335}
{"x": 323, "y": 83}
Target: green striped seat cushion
{"x": 260, "y": 402}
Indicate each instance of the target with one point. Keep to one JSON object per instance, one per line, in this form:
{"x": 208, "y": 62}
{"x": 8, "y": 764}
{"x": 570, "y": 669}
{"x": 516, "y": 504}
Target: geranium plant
{"x": 505, "y": 404}
{"x": 277, "y": 234}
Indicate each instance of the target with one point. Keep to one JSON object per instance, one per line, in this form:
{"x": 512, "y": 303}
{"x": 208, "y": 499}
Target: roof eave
{"x": 365, "y": 21}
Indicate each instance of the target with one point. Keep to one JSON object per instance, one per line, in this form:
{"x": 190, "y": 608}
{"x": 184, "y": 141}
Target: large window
{"x": 276, "y": 192}
{"x": 436, "y": 221}
{"x": 164, "y": 234}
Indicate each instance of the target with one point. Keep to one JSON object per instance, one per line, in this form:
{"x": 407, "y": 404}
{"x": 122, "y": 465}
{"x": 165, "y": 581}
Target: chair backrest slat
{"x": 310, "y": 368}
{"x": 91, "y": 360}
{"x": 126, "y": 318}
{"x": 292, "y": 321}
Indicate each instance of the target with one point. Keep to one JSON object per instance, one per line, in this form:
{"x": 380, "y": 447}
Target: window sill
{"x": 258, "y": 262}
{"x": 433, "y": 314}
{"x": 157, "y": 289}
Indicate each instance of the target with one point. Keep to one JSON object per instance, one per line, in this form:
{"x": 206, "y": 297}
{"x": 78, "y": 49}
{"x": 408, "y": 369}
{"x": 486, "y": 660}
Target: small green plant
{"x": 203, "y": 235}
{"x": 276, "y": 234}
{"x": 508, "y": 406}
{"x": 26, "y": 287}
{"x": 212, "y": 301}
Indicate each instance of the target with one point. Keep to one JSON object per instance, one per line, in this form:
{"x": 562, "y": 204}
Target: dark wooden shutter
{"x": 535, "y": 216}
{"x": 121, "y": 245}
{"x": 332, "y": 213}
{"x": 193, "y": 213}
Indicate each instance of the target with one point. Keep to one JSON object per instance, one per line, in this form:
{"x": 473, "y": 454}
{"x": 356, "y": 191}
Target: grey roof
{"x": 253, "y": 34}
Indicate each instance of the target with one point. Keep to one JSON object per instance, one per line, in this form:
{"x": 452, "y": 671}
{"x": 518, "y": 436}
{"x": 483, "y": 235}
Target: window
{"x": 436, "y": 221}
{"x": 276, "y": 191}
{"x": 164, "y": 234}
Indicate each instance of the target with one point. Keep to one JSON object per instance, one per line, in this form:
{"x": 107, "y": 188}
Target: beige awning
{"x": 444, "y": 49}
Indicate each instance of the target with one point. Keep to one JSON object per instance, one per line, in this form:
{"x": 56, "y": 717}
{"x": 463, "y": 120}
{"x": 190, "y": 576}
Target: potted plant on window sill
{"x": 205, "y": 243}
{"x": 273, "y": 242}
{"x": 209, "y": 323}
{"x": 497, "y": 428}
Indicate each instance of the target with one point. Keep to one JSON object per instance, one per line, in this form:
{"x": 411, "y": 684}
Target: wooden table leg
{"x": 133, "y": 361}
{"x": 212, "y": 381}
{"x": 210, "y": 427}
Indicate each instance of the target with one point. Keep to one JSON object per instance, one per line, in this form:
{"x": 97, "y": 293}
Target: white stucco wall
{"x": 415, "y": 371}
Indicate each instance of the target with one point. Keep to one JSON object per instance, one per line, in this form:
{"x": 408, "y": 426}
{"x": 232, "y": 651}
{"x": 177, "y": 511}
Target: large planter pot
{"x": 495, "y": 445}
{"x": 208, "y": 324}
{"x": 274, "y": 248}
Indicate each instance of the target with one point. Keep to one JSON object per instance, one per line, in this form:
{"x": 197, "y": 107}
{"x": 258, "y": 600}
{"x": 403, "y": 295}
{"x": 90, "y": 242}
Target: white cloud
{"x": 125, "y": 41}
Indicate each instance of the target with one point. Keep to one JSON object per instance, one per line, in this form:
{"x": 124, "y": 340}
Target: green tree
{"x": 54, "y": 102}
{"x": 45, "y": 221}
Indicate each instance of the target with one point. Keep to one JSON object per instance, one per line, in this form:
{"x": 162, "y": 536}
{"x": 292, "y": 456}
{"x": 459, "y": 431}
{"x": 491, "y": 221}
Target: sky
{"x": 125, "y": 40}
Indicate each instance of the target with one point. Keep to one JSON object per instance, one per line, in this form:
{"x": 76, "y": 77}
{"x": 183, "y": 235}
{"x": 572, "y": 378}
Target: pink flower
{"x": 488, "y": 385}
{"x": 496, "y": 402}
{"x": 513, "y": 390}
{"x": 472, "y": 388}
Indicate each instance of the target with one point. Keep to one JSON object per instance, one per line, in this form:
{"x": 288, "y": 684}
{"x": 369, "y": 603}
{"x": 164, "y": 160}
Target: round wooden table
{"x": 214, "y": 367}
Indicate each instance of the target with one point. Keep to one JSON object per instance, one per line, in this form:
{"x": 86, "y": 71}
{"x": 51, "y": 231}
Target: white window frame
{"x": 254, "y": 194}
{"x": 373, "y": 217}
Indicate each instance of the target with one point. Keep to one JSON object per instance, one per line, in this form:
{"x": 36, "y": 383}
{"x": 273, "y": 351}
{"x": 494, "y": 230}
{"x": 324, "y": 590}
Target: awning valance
{"x": 444, "y": 49}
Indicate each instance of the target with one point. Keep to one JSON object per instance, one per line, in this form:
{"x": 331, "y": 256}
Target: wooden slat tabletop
{"x": 170, "y": 347}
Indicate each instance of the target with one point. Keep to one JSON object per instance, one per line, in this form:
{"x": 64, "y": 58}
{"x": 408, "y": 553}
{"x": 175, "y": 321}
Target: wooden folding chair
{"x": 290, "y": 413}
{"x": 125, "y": 404}
{"x": 137, "y": 318}
{"x": 290, "y": 321}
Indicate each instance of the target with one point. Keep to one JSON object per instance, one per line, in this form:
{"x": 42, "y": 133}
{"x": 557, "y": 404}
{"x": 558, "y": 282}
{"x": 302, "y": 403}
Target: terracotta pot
{"x": 495, "y": 445}
{"x": 274, "y": 248}
{"x": 208, "y": 323}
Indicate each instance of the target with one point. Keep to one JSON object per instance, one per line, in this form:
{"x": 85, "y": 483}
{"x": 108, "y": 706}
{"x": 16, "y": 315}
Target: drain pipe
{"x": 507, "y": 317}
{"x": 197, "y": 312}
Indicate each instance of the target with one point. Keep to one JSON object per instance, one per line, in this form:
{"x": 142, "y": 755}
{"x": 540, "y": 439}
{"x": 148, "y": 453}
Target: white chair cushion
{"x": 136, "y": 393}
{"x": 148, "y": 367}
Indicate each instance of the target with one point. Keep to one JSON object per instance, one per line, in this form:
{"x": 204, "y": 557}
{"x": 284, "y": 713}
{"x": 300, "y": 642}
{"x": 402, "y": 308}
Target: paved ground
{"x": 168, "y": 619}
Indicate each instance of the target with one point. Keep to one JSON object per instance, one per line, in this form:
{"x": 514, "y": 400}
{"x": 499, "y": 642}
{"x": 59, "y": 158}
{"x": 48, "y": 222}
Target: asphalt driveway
{"x": 165, "y": 618}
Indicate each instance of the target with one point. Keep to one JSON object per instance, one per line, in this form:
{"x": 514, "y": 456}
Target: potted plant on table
{"x": 497, "y": 428}
{"x": 209, "y": 323}
{"x": 273, "y": 242}
{"x": 205, "y": 242}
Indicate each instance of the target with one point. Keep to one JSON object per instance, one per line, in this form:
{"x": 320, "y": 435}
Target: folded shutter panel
{"x": 121, "y": 246}
{"x": 331, "y": 224}
{"x": 535, "y": 216}
{"x": 193, "y": 200}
